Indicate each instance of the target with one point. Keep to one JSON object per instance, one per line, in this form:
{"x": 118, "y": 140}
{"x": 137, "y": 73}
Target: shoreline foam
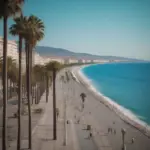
{"x": 125, "y": 114}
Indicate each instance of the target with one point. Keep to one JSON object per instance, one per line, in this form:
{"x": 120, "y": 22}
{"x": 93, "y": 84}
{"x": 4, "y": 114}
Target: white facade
{"x": 46, "y": 60}
{"x": 12, "y": 49}
{"x": 49, "y": 59}
{"x": 70, "y": 61}
{"x": 100, "y": 61}
{"x": 60, "y": 60}
{"x": 81, "y": 61}
{"x": 37, "y": 59}
{"x": 87, "y": 61}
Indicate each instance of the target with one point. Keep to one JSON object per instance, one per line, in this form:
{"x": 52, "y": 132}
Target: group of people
{"x": 111, "y": 130}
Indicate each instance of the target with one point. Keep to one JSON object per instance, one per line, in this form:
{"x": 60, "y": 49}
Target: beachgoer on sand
{"x": 78, "y": 121}
{"x": 57, "y": 112}
{"x": 67, "y": 121}
{"x": 132, "y": 141}
{"x": 114, "y": 131}
{"x": 82, "y": 105}
{"x": 90, "y": 135}
{"x": 108, "y": 130}
{"x": 88, "y": 127}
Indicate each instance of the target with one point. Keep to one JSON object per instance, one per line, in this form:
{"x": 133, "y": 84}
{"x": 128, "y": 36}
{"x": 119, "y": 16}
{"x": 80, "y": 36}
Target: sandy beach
{"x": 103, "y": 116}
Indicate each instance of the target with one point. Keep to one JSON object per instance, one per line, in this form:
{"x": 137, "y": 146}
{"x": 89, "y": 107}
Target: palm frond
{"x": 13, "y": 7}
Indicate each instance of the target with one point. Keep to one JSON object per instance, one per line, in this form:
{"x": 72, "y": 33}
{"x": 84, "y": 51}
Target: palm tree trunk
{"x": 36, "y": 94}
{"x": 29, "y": 97}
{"x": 19, "y": 94}
{"x": 26, "y": 50}
{"x": 10, "y": 88}
{"x": 4, "y": 129}
{"x": 54, "y": 106}
{"x": 7, "y": 89}
{"x": 31, "y": 65}
{"x": 47, "y": 80}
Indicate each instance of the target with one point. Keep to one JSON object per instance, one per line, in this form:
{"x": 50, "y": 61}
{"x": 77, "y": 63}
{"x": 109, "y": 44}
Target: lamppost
{"x": 123, "y": 131}
{"x": 65, "y": 114}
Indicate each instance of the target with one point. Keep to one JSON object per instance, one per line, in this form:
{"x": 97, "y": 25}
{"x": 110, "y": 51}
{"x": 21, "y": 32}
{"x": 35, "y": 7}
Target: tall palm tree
{"x": 54, "y": 66}
{"x": 7, "y": 9}
{"x": 18, "y": 29}
{"x": 38, "y": 73}
{"x": 11, "y": 71}
{"x": 48, "y": 75}
{"x": 34, "y": 33}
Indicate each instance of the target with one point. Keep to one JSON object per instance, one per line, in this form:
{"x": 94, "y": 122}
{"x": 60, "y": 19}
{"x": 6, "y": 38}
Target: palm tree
{"x": 7, "y": 9}
{"x": 38, "y": 73}
{"x": 34, "y": 32}
{"x": 18, "y": 29}
{"x": 54, "y": 67}
{"x": 11, "y": 71}
{"x": 48, "y": 77}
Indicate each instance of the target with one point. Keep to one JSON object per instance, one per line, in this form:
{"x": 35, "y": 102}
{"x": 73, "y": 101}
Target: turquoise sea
{"x": 128, "y": 84}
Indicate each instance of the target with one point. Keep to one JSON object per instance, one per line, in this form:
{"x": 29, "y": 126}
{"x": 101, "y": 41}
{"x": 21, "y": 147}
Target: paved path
{"x": 76, "y": 137}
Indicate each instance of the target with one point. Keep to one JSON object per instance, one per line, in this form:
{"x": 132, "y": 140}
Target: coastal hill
{"x": 59, "y": 52}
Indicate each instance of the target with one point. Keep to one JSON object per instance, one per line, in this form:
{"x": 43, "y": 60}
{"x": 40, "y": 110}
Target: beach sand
{"x": 103, "y": 116}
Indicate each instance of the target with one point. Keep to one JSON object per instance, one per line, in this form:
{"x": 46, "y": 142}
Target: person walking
{"x": 57, "y": 112}
{"x": 90, "y": 135}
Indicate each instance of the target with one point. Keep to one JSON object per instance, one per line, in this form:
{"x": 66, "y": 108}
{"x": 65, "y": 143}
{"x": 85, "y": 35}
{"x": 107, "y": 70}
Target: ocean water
{"x": 127, "y": 84}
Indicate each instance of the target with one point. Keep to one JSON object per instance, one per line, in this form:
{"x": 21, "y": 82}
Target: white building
{"x": 12, "y": 49}
{"x": 81, "y": 61}
{"x": 60, "y": 60}
{"x": 100, "y": 61}
{"x": 70, "y": 60}
{"x": 49, "y": 59}
{"x": 46, "y": 60}
{"x": 87, "y": 61}
{"x": 37, "y": 59}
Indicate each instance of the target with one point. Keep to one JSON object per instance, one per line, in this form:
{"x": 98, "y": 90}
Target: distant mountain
{"x": 59, "y": 52}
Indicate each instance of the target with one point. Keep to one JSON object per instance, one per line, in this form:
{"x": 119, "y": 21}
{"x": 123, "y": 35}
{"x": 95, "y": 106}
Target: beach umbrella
{"x": 83, "y": 96}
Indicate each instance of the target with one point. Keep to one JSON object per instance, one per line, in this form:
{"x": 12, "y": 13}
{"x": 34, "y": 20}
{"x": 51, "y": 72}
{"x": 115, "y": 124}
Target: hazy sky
{"x": 104, "y": 27}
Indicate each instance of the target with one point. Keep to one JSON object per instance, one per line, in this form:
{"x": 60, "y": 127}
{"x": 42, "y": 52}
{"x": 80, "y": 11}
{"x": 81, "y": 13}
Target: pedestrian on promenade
{"x": 108, "y": 130}
{"x": 57, "y": 112}
{"x": 114, "y": 131}
{"x": 82, "y": 106}
{"x": 78, "y": 121}
{"x": 132, "y": 141}
{"x": 90, "y": 135}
